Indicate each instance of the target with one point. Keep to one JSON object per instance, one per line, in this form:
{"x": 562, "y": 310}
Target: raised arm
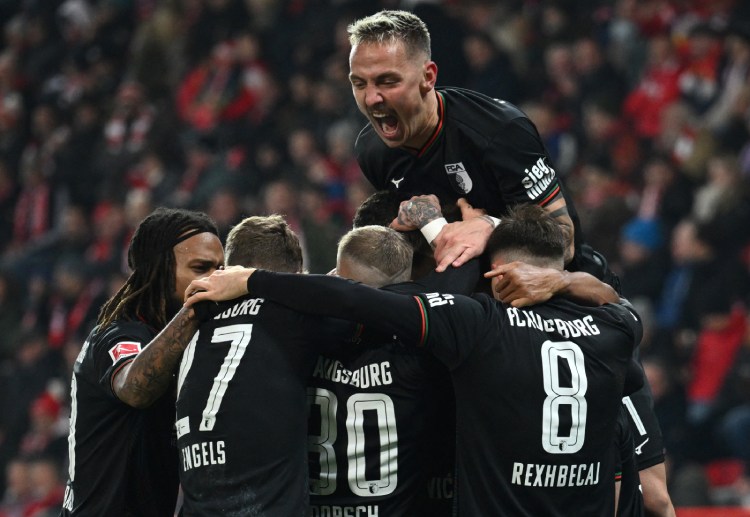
{"x": 146, "y": 378}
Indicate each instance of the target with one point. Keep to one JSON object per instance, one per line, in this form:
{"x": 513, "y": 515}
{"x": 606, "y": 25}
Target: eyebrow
{"x": 379, "y": 77}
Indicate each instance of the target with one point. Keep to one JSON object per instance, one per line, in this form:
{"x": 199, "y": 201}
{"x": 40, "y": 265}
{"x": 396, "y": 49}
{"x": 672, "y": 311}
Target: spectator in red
{"x": 699, "y": 80}
{"x": 215, "y": 92}
{"x": 32, "y": 218}
{"x": 657, "y": 88}
{"x": 48, "y": 432}
{"x": 47, "y": 487}
{"x": 73, "y": 304}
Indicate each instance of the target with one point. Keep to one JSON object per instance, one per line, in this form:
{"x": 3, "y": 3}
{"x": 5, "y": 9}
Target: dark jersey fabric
{"x": 123, "y": 461}
{"x": 537, "y": 389}
{"x": 647, "y": 436}
{"x": 630, "y": 502}
{"x": 393, "y": 449}
{"x": 242, "y": 409}
{"x": 486, "y": 150}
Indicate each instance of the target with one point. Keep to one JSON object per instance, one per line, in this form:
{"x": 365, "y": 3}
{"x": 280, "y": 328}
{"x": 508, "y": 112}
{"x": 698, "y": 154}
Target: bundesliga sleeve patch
{"x": 124, "y": 349}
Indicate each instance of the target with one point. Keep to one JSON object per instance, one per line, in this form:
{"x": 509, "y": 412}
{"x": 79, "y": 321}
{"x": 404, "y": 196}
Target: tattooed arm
{"x": 144, "y": 379}
{"x": 558, "y": 209}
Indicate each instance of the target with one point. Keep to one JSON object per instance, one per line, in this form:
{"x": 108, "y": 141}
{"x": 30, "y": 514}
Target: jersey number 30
{"x": 559, "y": 396}
{"x": 323, "y": 444}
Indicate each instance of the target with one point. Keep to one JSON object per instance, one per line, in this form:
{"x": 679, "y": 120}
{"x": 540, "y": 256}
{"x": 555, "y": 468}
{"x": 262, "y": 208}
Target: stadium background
{"x": 109, "y": 108}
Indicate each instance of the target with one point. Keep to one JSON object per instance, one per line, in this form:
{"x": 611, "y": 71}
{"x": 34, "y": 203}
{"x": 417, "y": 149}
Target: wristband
{"x": 492, "y": 220}
{"x": 432, "y": 229}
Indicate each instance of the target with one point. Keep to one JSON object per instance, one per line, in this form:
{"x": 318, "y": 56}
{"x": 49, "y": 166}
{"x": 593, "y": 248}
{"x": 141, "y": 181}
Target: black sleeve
{"x": 322, "y": 295}
{"x": 634, "y": 377}
{"x": 454, "y": 280}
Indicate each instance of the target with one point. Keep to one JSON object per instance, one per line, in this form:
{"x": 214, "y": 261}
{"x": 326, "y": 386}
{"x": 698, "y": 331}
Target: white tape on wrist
{"x": 432, "y": 229}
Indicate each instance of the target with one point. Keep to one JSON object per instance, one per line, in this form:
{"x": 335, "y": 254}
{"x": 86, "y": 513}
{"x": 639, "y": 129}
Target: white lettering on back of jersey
{"x": 250, "y": 306}
{"x": 367, "y": 376}
{"x": 573, "y": 328}
{"x": 343, "y": 511}
{"x": 202, "y": 454}
{"x": 545, "y": 475}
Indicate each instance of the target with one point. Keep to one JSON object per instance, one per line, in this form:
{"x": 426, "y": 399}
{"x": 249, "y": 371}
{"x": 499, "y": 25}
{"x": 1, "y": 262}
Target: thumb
{"x": 396, "y": 225}
{"x": 464, "y": 205}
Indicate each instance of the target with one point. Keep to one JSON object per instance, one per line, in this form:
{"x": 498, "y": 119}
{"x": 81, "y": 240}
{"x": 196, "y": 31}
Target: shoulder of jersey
{"x": 474, "y": 107}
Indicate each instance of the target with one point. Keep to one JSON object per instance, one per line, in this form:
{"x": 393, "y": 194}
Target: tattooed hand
{"x": 417, "y": 212}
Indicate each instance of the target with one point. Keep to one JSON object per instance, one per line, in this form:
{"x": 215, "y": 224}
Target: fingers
{"x": 196, "y": 297}
{"x": 500, "y": 270}
{"x": 194, "y": 287}
{"x": 396, "y": 224}
{"x": 449, "y": 257}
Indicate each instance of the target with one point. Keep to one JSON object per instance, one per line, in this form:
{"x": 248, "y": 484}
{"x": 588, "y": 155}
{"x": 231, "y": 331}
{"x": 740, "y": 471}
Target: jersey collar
{"x": 438, "y": 129}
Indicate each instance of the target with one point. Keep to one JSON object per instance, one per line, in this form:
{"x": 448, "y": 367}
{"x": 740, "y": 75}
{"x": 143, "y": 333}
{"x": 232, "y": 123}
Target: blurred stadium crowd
{"x": 110, "y": 108}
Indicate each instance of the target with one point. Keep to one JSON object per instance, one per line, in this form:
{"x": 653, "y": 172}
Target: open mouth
{"x": 388, "y": 124}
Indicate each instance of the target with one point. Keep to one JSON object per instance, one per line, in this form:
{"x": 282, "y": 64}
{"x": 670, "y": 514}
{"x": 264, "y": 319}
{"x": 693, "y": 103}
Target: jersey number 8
{"x": 559, "y": 396}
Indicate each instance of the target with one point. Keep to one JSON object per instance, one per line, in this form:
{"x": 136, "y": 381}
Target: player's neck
{"x": 432, "y": 116}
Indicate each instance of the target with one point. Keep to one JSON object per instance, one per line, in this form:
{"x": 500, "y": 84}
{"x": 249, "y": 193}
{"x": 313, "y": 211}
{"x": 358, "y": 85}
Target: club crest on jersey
{"x": 459, "y": 177}
{"x": 124, "y": 349}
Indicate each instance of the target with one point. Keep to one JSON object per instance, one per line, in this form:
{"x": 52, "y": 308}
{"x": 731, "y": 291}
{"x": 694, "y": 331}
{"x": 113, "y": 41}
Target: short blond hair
{"x": 390, "y": 26}
{"x": 264, "y": 242}
{"x": 382, "y": 254}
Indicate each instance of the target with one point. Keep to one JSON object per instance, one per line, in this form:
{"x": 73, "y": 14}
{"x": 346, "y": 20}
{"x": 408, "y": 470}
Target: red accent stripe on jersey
{"x": 618, "y": 476}
{"x": 438, "y": 129}
{"x": 425, "y": 324}
{"x": 550, "y": 196}
{"x": 358, "y": 332}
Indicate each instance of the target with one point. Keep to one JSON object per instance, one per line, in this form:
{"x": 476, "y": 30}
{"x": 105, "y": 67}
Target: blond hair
{"x": 391, "y": 26}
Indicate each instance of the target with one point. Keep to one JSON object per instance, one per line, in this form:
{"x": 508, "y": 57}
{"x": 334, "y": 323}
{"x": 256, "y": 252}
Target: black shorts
{"x": 647, "y": 438}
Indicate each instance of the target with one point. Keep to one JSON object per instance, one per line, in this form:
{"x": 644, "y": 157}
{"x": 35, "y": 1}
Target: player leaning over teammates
{"x": 450, "y": 142}
{"x": 455, "y": 143}
{"x": 242, "y": 392}
{"x": 123, "y": 462}
{"x": 537, "y": 389}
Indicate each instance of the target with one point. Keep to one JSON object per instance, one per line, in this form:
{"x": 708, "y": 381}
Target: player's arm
{"x": 522, "y": 284}
{"x": 320, "y": 295}
{"x": 558, "y": 209}
{"x": 523, "y": 173}
{"x": 140, "y": 382}
{"x": 454, "y": 243}
{"x": 655, "y": 496}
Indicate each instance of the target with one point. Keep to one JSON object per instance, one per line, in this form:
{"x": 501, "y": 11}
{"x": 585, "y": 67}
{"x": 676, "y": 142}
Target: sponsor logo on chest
{"x": 459, "y": 177}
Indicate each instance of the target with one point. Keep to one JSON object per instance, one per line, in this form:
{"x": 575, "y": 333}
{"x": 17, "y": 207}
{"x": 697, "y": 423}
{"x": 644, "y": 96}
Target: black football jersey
{"x": 242, "y": 409}
{"x": 647, "y": 435}
{"x": 382, "y": 431}
{"x": 485, "y": 150}
{"x": 537, "y": 396}
{"x": 537, "y": 389}
{"x": 122, "y": 460}
{"x": 630, "y": 501}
